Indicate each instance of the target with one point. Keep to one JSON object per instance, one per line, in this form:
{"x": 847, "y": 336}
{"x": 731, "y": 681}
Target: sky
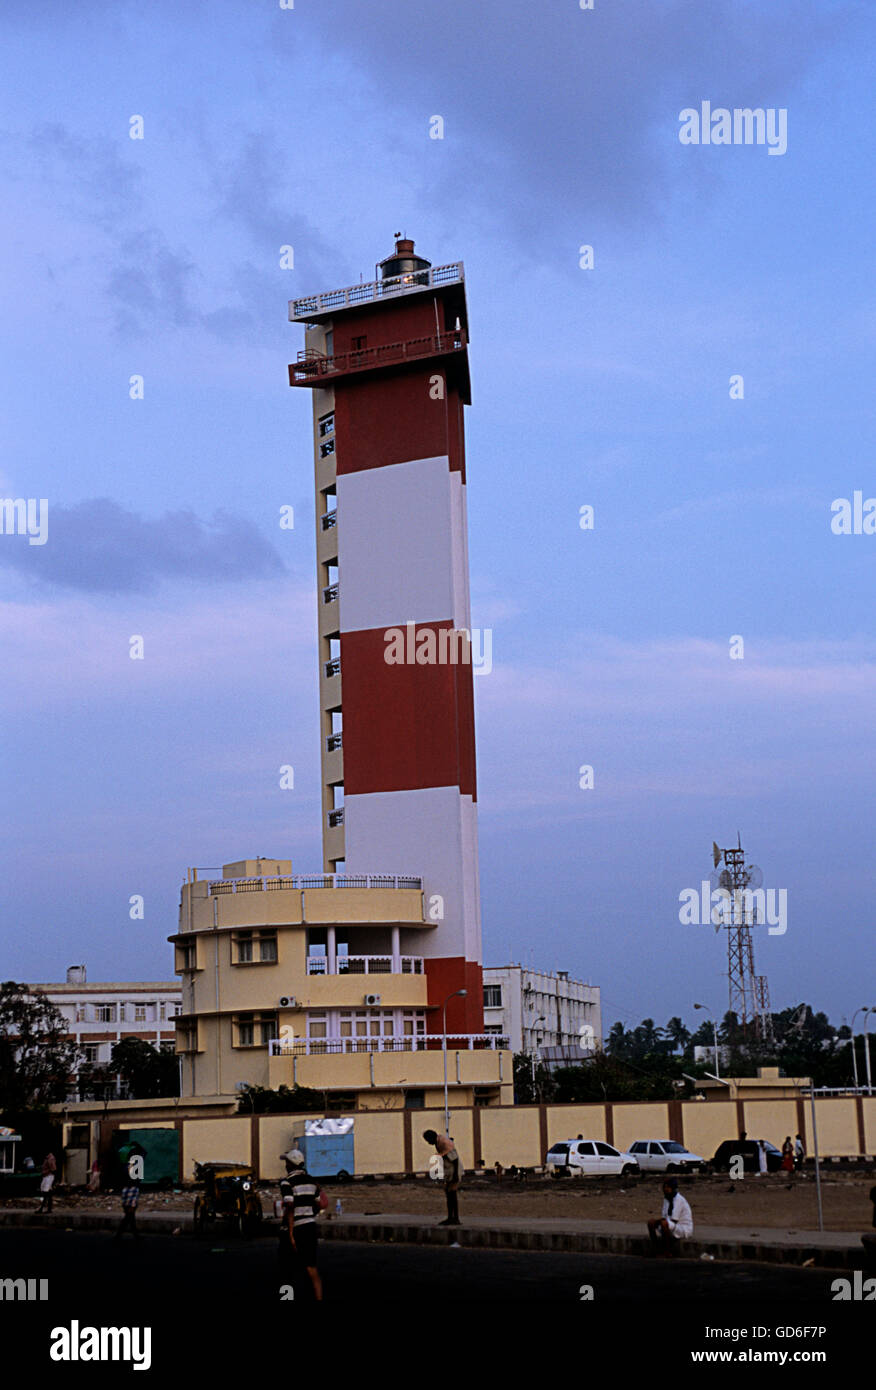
{"x": 615, "y": 647}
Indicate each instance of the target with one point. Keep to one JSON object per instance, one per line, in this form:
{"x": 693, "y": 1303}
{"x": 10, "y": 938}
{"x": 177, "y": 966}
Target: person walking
{"x": 788, "y": 1156}
{"x": 47, "y": 1182}
{"x": 799, "y": 1152}
{"x": 302, "y": 1199}
{"x": 675, "y": 1222}
{"x": 451, "y": 1171}
{"x": 130, "y": 1201}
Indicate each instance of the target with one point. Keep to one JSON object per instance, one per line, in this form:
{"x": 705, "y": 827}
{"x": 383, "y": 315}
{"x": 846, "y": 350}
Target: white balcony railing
{"x": 260, "y": 885}
{"x": 354, "y": 295}
{"x": 420, "y": 1042}
{"x": 365, "y": 965}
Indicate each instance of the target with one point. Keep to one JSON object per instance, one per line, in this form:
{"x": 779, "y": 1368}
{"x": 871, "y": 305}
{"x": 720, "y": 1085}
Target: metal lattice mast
{"x": 748, "y": 992}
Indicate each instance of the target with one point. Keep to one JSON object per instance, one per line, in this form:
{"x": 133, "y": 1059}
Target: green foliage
{"x": 259, "y": 1100}
{"x": 36, "y": 1057}
{"x": 146, "y": 1072}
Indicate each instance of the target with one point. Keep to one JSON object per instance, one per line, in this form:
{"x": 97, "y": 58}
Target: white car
{"x": 590, "y": 1156}
{"x": 664, "y": 1156}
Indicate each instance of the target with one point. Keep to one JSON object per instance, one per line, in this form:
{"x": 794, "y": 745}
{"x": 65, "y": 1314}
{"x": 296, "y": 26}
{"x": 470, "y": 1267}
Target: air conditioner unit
{"x": 288, "y": 1001}
{"x": 372, "y": 1000}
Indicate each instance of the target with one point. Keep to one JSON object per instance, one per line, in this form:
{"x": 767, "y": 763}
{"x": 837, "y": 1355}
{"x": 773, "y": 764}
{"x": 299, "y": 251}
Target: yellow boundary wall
{"x": 391, "y": 1141}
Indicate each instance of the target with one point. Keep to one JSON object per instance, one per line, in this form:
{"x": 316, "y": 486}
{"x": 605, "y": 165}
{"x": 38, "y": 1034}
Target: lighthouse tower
{"x": 387, "y": 362}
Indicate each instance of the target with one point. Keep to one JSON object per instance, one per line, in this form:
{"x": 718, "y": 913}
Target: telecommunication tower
{"x": 749, "y": 993}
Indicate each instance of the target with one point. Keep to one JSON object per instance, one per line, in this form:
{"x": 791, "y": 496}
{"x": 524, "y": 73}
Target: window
{"x": 493, "y": 1028}
{"x": 606, "y": 1150}
{"x": 139, "y": 1013}
{"x": 492, "y": 996}
{"x": 358, "y": 344}
{"x": 586, "y": 1149}
{"x": 105, "y": 1013}
{"x": 92, "y": 1051}
{"x": 252, "y": 948}
{"x": 188, "y": 959}
{"x": 655, "y": 1149}
{"x": 267, "y": 1028}
{"x": 245, "y": 1031}
{"x": 415, "y": 1100}
{"x": 638, "y": 1147}
{"x": 327, "y": 448}
{"x": 327, "y": 424}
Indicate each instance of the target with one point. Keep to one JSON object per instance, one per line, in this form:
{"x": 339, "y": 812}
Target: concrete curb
{"x": 470, "y": 1237}
{"x": 589, "y": 1243}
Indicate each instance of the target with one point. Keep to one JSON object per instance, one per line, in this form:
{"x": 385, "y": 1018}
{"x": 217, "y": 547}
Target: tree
{"x": 677, "y": 1034}
{"x": 531, "y": 1085}
{"x": 37, "y": 1058}
{"x": 145, "y": 1071}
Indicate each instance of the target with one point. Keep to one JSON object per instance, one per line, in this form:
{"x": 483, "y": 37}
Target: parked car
{"x": 664, "y": 1156}
{"x": 748, "y": 1149}
{"x": 590, "y": 1156}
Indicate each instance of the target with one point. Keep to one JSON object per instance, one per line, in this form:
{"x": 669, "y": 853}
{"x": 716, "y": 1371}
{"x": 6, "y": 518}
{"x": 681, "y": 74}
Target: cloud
{"x": 98, "y": 546}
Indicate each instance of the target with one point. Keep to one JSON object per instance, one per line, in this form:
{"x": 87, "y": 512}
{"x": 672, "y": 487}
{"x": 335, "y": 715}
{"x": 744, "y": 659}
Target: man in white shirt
{"x": 674, "y": 1224}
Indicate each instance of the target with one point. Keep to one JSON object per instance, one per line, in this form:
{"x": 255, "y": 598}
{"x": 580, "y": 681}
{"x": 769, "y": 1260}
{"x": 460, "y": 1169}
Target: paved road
{"x": 210, "y": 1302}
{"x": 363, "y": 1273}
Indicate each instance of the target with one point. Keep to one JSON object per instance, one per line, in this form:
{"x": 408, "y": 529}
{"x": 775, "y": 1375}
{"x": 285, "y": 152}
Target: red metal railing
{"x": 312, "y": 365}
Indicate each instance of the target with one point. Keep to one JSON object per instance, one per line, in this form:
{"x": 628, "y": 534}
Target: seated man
{"x": 675, "y": 1222}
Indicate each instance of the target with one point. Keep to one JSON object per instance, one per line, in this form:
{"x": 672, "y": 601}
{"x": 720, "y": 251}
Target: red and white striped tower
{"x": 388, "y": 365}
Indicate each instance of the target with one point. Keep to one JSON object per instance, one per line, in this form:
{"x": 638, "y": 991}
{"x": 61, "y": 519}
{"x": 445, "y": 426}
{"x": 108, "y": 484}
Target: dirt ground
{"x": 716, "y": 1201}
{"x": 753, "y": 1202}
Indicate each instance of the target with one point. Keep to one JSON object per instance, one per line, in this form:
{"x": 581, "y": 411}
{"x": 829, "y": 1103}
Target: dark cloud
{"x": 99, "y": 547}
{"x": 579, "y": 108}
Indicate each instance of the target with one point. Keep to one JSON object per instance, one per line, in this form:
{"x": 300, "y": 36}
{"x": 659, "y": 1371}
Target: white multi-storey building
{"x": 101, "y": 1014}
{"x": 551, "y": 1016}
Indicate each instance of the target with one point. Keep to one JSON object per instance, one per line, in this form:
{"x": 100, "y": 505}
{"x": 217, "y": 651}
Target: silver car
{"x": 664, "y": 1156}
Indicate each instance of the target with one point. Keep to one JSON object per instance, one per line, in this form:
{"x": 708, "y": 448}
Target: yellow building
{"x": 316, "y": 981}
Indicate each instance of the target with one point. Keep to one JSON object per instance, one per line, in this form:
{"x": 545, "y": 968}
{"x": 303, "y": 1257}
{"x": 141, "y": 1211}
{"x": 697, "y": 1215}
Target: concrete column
{"x": 396, "y": 950}
{"x": 331, "y": 950}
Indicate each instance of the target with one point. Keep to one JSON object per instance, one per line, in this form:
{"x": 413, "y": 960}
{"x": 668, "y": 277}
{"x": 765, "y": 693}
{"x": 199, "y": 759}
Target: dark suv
{"x": 748, "y": 1149}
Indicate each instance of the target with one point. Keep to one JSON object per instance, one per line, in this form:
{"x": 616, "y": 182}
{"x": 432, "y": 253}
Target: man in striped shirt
{"x": 130, "y": 1198}
{"x": 300, "y": 1196}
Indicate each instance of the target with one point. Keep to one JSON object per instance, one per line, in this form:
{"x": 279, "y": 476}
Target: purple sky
{"x": 161, "y": 257}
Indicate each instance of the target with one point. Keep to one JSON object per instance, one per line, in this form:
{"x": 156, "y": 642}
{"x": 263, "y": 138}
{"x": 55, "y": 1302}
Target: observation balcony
{"x": 316, "y": 368}
{"x": 314, "y": 306}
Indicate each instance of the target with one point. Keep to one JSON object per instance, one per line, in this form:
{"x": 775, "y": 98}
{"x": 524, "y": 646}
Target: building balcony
{"x": 333, "y": 301}
{"x": 332, "y": 668}
{"x": 256, "y": 885}
{"x": 366, "y": 965}
{"x": 334, "y": 742}
{"x": 420, "y": 1042}
{"x": 315, "y": 368}
{"x": 335, "y": 817}
{"x": 328, "y": 520}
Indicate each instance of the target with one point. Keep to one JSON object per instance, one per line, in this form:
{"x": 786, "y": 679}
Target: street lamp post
{"x": 715, "y": 1036}
{"x": 854, "y": 1053}
{"x": 541, "y": 1019}
{"x": 867, "y": 1013}
{"x": 461, "y": 993}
